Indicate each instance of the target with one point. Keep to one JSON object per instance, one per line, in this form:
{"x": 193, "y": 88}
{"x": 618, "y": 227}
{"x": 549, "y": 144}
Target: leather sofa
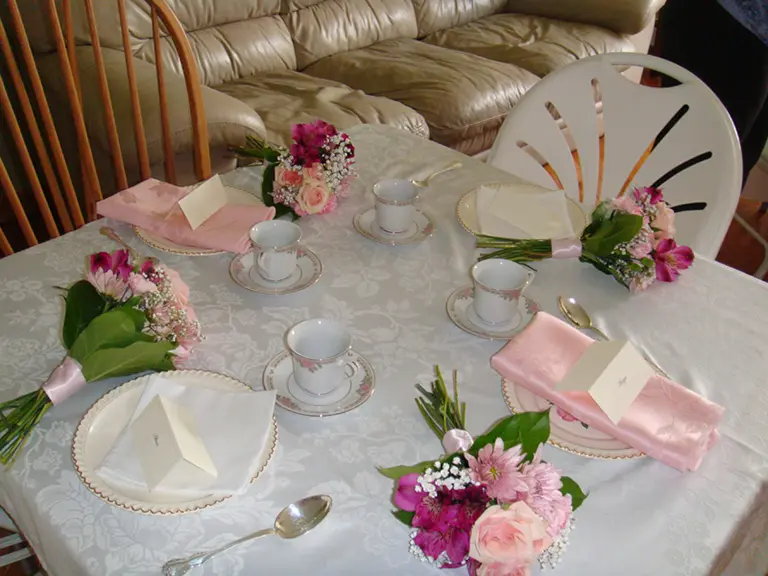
{"x": 447, "y": 69}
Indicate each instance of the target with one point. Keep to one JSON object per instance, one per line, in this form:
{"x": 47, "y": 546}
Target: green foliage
{"x": 115, "y": 329}
{"x": 530, "y": 429}
{"x": 404, "y": 517}
{"x": 397, "y": 472}
{"x": 440, "y": 411}
{"x": 602, "y": 236}
{"x": 83, "y": 304}
{"x": 136, "y": 357}
{"x": 570, "y": 487}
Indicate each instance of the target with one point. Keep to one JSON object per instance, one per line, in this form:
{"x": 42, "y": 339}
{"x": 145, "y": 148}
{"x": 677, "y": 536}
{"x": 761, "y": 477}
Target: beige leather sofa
{"x": 447, "y": 69}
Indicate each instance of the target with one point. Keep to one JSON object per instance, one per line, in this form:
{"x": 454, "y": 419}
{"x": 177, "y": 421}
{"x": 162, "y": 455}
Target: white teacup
{"x": 499, "y": 284}
{"x": 275, "y": 245}
{"x": 394, "y": 204}
{"x": 318, "y": 348}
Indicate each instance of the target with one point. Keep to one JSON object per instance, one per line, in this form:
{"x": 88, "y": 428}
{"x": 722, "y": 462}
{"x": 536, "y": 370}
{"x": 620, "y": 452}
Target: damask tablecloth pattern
{"x": 642, "y": 518}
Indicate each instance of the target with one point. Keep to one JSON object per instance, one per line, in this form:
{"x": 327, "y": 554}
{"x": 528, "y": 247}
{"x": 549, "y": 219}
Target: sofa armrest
{"x": 228, "y": 119}
{"x": 621, "y": 16}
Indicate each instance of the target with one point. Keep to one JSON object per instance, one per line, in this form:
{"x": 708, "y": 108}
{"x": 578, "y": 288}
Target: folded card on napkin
{"x": 172, "y": 454}
{"x": 203, "y": 201}
{"x": 523, "y": 211}
{"x": 612, "y": 372}
{"x": 234, "y": 426}
{"x": 154, "y": 206}
{"x": 666, "y": 421}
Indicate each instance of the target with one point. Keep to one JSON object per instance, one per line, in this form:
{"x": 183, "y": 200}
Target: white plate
{"x": 105, "y": 420}
{"x": 462, "y": 313}
{"x": 421, "y": 228}
{"x": 308, "y": 271}
{"x": 235, "y": 196}
{"x": 466, "y": 211}
{"x": 351, "y": 394}
{"x": 566, "y": 432}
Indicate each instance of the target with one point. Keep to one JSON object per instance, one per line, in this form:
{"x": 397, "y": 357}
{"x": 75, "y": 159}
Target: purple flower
{"x": 406, "y": 497}
{"x": 472, "y": 502}
{"x": 101, "y": 261}
{"x": 452, "y": 541}
{"x": 121, "y": 264}
{"x": 653, "y": 194}
{"x": 435, "y": 513}
{"x": 670, "y": 259}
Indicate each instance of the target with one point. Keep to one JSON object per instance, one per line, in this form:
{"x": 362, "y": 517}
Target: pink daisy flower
{"x": 498, "y": 471}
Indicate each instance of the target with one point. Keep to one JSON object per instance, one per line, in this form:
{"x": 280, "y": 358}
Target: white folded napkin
{"x": 523, "y": 211}
{"x": 234, "y": 427}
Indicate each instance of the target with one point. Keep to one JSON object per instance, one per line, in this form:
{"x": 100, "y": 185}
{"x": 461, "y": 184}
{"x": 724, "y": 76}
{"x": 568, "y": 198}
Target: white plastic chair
{"x": 14, "y": 539}
{"x": 681, "y": 139}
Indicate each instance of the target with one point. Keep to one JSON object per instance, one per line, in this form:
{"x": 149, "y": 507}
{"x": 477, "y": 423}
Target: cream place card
{"x": 204, "y": 201}
{"x": 613, "y": 372}
{"x": 171, "y": 451}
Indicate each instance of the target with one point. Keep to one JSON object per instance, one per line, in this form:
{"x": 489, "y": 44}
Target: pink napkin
{"x": 666, "y": 421}
{"x": 152, "y": 205}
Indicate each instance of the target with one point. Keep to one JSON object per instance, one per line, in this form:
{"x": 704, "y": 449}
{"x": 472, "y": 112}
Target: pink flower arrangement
{"x": 630, "y": 237}
{"x": 311, "y": 175}
{"x": 494, "y": 505}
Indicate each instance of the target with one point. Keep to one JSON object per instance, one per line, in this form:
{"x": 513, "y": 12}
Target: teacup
{"x": 499, "y": 284}
{"x": 275, "y": 246}
{"x": 318, "y": 349}
{"x": 394, "y": 204}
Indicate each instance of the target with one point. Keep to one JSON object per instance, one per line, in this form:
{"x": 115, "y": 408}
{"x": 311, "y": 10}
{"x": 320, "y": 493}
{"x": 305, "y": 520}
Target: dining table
{"x": 708, "y": 330}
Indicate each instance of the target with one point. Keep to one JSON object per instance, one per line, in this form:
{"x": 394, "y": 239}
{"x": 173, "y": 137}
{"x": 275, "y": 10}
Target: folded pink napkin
{"x": 153, "y": 205}
{"x": 666, "y": 421}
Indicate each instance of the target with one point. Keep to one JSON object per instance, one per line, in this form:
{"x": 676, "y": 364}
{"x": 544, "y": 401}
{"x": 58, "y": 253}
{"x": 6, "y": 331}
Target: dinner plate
{"x": 466, "y": 211}
{"x": 235, "y": 196}
{"x": 105, "y": 420}
{"x": 566, "y": 432}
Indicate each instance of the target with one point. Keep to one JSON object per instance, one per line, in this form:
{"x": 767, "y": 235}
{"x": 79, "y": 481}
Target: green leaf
{"x": 115, "y": 329}
{"x": 534, "y": 430}
{"x": 83, "y": 304}
{"x": 620, "y": 228}
{"x": 136, "y": 357}
{"x": 397, "y": 472}
{"x": 570, "y": 487}
{"x": 404, "y": 517}
{"x": 267, "y": 185}
{"x": 508, "y": 429}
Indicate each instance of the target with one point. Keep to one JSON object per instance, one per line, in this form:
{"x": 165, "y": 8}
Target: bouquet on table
{"x": 310, "y": 176}
{"x": 490, "y": 503}
{"x": 124, "y": 317}
{"x": 630, "y": 237}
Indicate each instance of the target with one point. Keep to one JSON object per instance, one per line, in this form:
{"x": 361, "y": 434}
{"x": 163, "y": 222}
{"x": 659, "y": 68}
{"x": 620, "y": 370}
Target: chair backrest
{"x": 30, "y": 124}
{"x": 589, "y": 130}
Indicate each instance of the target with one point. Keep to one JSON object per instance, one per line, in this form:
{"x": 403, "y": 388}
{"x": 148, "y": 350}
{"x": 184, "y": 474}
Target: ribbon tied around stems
{"x": 457, "y": 441}
{"x": 566, "y": 248}
{"x": 65, "y": 380}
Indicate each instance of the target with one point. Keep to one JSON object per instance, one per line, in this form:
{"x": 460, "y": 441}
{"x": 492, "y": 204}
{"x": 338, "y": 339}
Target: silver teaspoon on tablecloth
{"x": 293, "y": 521}
{"x": 425, "y": 182}
{"x": 580, "y": 318}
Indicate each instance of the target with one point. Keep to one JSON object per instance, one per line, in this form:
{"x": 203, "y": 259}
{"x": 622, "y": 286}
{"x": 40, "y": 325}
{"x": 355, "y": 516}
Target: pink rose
{"x": 512, "y": 538}
{"x": 288, "y": 178}
{"x": 499, "y": 569}
{"x": 626, "y": 204}
{"x": 314, "y": 172}
{"x": 313, "y": 197}
{"x": 139, "y": 285}
{"x": 664, "y": 222}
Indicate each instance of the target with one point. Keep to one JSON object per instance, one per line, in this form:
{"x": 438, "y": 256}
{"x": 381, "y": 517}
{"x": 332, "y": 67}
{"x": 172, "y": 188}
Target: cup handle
{"x": 260, "y": 256}
{"x": 351, "y": 368}
{"x": 531, "y": 275}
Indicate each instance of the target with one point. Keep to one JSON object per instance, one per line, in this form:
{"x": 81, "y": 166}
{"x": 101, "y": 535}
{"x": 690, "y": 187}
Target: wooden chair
{"x": 29, "y": 120}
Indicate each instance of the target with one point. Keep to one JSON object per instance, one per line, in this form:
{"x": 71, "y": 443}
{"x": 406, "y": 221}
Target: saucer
{"x": 420, "y": 229}
{"x": 353, "y": 392}
{"x": 462, "y": 313}
{"x": 308, "y": 270}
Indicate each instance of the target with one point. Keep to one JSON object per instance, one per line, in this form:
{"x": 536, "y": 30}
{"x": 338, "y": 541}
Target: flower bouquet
{"x": 630, "y": 237}
{"x": 310, "y": 176}
{"x": 491, "y": 503}
{"x": 124, "y": 317}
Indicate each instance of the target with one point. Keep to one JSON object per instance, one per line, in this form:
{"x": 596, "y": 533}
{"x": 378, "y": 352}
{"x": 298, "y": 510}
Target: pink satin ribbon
{"x": 65, "y": 380}
{"x": 666, "y": 421}
{"x": 457, "y": 441}
{"x": 566, "y": 248}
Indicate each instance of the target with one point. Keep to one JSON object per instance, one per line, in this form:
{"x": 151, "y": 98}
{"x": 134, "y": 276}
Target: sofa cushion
{"x": 320, "y": 28}
{"x": 537, "y": 44}
{"x": 434, "y": 15}
{"x": 286, "y": 98}
{"x": 463, "y": 97}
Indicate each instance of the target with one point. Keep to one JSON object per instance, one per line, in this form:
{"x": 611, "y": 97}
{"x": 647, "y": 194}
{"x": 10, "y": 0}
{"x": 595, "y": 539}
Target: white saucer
{"x": 462, "y": 313}
{"x": 420, "y": 229}
{"x": 353, "y": 392}
{"x": 308, "y": 271}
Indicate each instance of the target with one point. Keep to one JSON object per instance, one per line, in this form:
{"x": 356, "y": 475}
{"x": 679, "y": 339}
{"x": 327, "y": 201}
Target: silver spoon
{"x": 425, "y": 182}
{"x": 293, "y": 521}
{"x": 580, "y": 318}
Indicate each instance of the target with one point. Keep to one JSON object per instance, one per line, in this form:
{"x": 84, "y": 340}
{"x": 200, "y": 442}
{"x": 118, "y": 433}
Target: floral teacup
{"x": 499, "y": 284}
{"x": 394, "y": 204}
{"x": 276, "y": 245}
{"x": 318, "y": 349}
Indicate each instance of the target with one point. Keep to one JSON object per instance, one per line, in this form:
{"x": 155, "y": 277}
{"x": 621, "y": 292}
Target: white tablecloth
{"x": 709, "y": 331}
